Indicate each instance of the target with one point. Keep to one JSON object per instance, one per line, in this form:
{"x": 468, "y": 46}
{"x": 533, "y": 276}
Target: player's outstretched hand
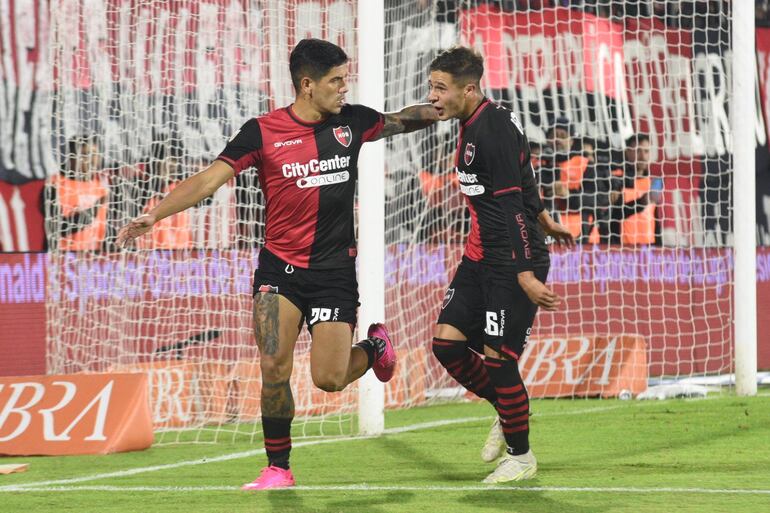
{"x": 560, "y": 234}
{"x": 537, "y": 292}
{"x": 134, "y": 229}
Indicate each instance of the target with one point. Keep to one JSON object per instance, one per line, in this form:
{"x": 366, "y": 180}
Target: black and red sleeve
{"x": 244, "y": 150}
{"x": 506, "y": 152}
{"x": 370, "y": 121}
{"x": 530, "y": 188}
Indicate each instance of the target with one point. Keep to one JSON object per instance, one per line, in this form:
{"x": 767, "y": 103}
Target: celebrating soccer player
{"x": 492, "y": 300}
{"x": 306, "y": 155}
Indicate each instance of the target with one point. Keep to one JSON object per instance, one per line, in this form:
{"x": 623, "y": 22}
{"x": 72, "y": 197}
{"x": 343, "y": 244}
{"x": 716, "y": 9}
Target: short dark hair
{"x": 634, "y": 140}
{"x": 562, "y": 122}
{"x": 74, "y": 146}
{"x": 314, "y": 58}
{"x": 463, "y": 63}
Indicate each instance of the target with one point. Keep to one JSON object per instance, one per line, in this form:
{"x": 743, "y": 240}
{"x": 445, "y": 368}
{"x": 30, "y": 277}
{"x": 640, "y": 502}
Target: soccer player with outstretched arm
{"x": 306, "y": 155}
{"x": 492, "y": 300}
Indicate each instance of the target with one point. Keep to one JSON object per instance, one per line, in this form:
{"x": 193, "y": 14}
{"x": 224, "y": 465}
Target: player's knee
{"x": 330, "y": 383}
{"x": 274, "y": 370}
{"x": 448, "y": 350}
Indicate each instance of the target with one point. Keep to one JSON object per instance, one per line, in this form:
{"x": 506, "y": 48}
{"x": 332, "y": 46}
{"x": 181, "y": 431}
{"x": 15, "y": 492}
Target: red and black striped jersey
{"x": 308, "y": 173}
{"x": 495, "y": 175}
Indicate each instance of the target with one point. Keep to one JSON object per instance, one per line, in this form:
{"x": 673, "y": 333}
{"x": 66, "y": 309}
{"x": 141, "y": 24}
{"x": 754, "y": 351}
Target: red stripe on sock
{"x": 276, "y": 448}
{"x": 510, "y": 353}
{"x": 456, "y": 368}
{"x": 477, "y": 369}
{"x": 478, "y": 376}
{"x": 516, "y": 420}
{"x": 483, "y": 383}
{"x": 493, "y": 364}
{"x": 509, "y": 390}
{"x": 510, "y": 402}
{"x": 523, "y": 407}
{"x": 277, "y": 440}
{"x": 515, "y": 429}
{"x": 477, "y": 364}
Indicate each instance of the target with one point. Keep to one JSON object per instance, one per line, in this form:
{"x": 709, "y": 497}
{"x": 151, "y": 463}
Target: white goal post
{"x": 745, "y": 108}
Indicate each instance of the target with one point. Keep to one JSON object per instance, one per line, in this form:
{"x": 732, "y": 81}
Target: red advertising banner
{"x": 74, "y": 414}
{"x": 189, "y": 328}
{"x": 616, "y": 291}
{"x": 547, "y": 48}
{"x": 199, "y": 391}
{"x": 585, "y": 366}
{"x": 678, "y": 300}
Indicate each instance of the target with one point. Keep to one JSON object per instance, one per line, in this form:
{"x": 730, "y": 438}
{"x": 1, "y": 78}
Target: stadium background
{"x": 27, "y": 158}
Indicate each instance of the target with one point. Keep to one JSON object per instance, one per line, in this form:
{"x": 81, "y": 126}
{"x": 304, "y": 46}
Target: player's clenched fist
{"x": 538, "y": 293}
{"x": 135, "y": 228}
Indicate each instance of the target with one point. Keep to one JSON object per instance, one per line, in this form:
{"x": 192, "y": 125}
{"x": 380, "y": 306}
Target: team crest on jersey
{"x": 470, "y": 152}
{"x": 450, "y": 293}
{"x": 343, "y": 135}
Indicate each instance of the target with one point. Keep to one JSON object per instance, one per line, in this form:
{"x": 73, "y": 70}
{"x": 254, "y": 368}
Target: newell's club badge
{"x": 450, "y": 293}
{"x": 470, "y": 152}
{"x": 343, "y": 135}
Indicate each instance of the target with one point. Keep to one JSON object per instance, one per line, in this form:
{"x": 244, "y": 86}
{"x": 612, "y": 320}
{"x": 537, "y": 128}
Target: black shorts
{"x": 489, "y": 307}
{"x": 324, "y": 295}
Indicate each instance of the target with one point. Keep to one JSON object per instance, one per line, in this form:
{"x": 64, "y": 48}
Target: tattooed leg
{"x": 276, "y": 326}
{"x": 266, "y": 323}
{"x": 277, "y": 400}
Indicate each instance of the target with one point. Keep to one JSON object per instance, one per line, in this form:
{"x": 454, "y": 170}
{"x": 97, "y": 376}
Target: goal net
{"x": 146, "y": 93}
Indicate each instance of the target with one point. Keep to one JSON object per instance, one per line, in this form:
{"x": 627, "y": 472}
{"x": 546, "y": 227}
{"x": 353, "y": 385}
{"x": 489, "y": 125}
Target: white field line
{"x": 376, "y": 488}
{"x": 255, "y": 452}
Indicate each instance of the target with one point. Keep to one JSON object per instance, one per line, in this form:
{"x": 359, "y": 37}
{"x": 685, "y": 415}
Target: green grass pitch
{"x": 594, "y": 456}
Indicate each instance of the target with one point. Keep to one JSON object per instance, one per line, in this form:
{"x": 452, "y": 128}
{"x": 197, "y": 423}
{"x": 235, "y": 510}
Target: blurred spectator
{"x": 595, "y": 191}
{"x": 164, "y": 173}
{"x": 77, "y": 199}
{"x": 503, "y": 5}
{"x": 762, "y": 13}
{"x": 442, "y": 216}
{"x": 669, "y": 12}
{"x": 633, "y": 196}
{"x": 597, "y": 7}
{"x": 561, "y": 175}
{"x": 535, "y": 151}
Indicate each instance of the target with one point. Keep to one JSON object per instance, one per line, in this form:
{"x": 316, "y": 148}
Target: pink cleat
{"x": 271, "y": 478}
{"x": 385, "y": 364}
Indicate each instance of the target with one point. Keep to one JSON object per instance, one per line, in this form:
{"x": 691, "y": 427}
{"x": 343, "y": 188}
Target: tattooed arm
{"x": 408, "y": 119}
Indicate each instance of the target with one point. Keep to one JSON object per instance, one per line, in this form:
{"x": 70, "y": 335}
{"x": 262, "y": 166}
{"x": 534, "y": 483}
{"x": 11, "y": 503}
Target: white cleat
{"x": 513, "y": 468}
{"x": 495, "y": 445}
